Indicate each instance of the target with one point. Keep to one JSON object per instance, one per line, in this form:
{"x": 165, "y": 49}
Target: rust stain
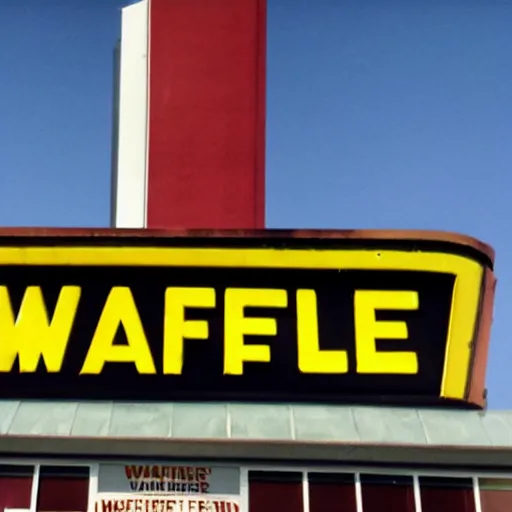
{"x": 476, "y": 392}
{"x": 352, "y": 234}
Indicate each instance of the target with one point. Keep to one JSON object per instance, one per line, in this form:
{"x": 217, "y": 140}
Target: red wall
{"x": 206, "y": 148}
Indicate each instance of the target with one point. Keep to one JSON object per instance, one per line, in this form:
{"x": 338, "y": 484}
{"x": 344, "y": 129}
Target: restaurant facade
{"x": 189, "y": 360}
{"x": 257, "y": 371}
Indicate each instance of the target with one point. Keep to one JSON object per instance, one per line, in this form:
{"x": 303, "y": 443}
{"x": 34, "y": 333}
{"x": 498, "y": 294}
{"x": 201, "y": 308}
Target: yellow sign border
{"x": 465, "y": 302}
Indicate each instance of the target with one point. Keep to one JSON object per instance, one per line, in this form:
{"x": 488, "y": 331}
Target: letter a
{"x": 120, "y": 309}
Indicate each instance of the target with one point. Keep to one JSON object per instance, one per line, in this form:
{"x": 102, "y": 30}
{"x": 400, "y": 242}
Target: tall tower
{"x": 189, "y": 122}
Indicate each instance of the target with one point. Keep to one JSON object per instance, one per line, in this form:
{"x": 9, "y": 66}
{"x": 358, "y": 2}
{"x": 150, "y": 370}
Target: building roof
{"x": 257, "y": 431}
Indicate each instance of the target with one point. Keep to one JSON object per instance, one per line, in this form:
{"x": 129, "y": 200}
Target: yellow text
{"x": 33, "y": 335}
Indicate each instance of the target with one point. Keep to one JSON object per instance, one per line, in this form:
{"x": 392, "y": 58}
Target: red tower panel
{"x": 206, "y": 134}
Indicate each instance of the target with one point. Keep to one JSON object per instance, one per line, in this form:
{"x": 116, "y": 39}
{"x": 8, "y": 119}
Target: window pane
{"x": 271, "y": 491}
{"x": 447, "y": 494}
{"x": 63, "y": 489}
{"x": 15, "y": 486}
{"x": 384, "y": 492}
{"x": 495, "y": 494}
{"x": 330, "y": 492}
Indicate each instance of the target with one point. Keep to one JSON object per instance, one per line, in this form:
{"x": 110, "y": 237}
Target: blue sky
{"x": 380, "y": 114}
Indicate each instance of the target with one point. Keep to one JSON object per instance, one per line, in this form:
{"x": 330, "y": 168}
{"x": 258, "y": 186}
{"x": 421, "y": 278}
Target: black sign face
{"x": 235, "y": 324}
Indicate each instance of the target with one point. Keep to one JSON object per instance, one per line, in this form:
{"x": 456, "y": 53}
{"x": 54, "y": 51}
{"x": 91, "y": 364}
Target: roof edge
{"x": 256, "y": 450}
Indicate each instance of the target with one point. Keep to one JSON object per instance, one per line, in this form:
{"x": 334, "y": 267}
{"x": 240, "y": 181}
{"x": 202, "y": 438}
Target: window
{"x": 331, "y": 492}
{"x": 495, "y": 494}
{"x": 271, "y": 491}
{"x": 447, "y": 494}
{"x": 63, "y": 489}
{"x": 15, "y": 486}
{"x": 383, "y": 492}
{"x": 66, "y": 489}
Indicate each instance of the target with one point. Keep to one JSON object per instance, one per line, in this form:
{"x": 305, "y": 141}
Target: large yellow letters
{"x": 120, "y": 309}
{"x": 32, "y": 336}
{"x": 368, "y": 329}
{"x": 176, "y": 327}
{"x": 237, "y": 325}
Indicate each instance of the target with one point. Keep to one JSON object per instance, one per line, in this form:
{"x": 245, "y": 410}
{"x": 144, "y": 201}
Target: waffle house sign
{"x": 270, "y": 316}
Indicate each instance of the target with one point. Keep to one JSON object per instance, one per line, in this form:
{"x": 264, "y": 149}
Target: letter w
{"x": 32, "y": 335}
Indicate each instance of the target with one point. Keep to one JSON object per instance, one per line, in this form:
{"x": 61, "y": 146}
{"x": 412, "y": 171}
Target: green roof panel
{"x": 298, "y": 432}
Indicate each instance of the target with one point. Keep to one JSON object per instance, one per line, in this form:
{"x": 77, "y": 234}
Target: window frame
{"x": 37, "y": 463}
